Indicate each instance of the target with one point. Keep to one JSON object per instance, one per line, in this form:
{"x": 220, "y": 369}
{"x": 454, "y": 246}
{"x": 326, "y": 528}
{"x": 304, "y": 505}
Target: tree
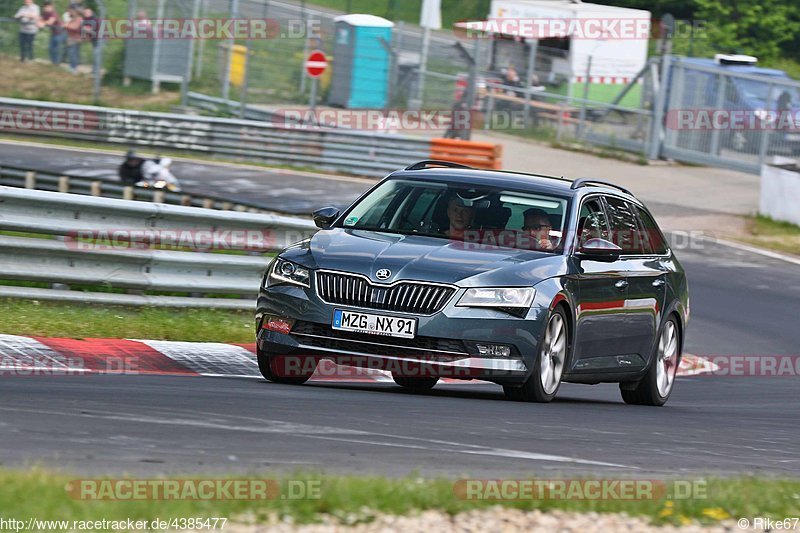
{"x": 763, "y": 28}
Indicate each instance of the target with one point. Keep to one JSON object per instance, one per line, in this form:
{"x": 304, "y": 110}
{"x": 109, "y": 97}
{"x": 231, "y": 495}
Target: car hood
{"x": 415, "y": 257}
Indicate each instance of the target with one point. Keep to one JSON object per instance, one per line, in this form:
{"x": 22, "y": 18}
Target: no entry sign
{"x": 316, "y": 64}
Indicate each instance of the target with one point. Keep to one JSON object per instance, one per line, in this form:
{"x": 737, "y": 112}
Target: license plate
{"x": 793, "y": 137}
{"x": 391, "y": 326}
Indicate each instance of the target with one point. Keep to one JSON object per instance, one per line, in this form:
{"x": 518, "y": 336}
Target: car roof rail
{"x": 585, "y": 182}
{"x": 533, "y": 174}
{"x": 428, "y": 163}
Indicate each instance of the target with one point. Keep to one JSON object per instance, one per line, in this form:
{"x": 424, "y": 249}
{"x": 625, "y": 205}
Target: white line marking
{"x": 753, "y": 249}
{"x": 273, "y": 426}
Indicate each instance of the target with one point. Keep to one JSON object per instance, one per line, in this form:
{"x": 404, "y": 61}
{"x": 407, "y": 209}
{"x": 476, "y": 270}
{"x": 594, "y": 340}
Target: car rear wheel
{"x": 415, "y": 384}
{"x": 269, "y": 366}
{"x": 656, "y": 386}
{"x": 544, "y": 382}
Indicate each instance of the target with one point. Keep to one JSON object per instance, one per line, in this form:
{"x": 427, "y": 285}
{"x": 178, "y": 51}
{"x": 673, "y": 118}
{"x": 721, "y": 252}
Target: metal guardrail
{"x": 334, "y": 149}
{"x": 72, "y": 258}
{"x": 13, "y": 176}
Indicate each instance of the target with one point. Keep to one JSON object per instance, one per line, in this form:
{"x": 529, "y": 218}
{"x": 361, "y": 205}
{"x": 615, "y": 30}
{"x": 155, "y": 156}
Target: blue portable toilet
{"x": 361, "y": 62}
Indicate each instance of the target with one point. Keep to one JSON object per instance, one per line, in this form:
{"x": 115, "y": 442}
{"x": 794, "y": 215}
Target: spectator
{"x": 73, "y": 27}
{"x": 89, "y": 28}
{"x": 28, "y": 17}
{"x": 58, "y": 34}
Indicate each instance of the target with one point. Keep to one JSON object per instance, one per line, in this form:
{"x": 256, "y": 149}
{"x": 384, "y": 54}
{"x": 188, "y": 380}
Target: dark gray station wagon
{"x": 444, "y": 271}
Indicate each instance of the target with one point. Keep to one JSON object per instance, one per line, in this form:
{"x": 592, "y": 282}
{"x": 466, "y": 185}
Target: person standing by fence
{"x": 74, "y": 37}
{"x": 28, "y": 17}
{"x": 58, "y": 35}
{"x": 89, "y": 33}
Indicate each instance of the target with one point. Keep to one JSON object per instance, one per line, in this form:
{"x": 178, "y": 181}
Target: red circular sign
{"x": 316, "y": 63}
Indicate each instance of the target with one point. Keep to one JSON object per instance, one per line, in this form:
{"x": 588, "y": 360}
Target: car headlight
{"x": 283, "y": 271}
{"x": 512, "y": 297}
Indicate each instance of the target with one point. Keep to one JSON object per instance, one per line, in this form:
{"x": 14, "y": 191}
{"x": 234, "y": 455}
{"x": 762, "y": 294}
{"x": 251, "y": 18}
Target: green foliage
{"x": 761, "y": 28}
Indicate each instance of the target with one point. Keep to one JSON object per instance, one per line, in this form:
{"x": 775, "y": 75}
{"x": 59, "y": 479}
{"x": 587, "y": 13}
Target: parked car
{"x": 757, "y": 95}
{"x": 442, "y": 270}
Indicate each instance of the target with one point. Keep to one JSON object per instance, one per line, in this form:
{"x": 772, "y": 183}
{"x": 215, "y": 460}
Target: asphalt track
{"x": 742, "y": 303}
{"x": 282, "y": 191}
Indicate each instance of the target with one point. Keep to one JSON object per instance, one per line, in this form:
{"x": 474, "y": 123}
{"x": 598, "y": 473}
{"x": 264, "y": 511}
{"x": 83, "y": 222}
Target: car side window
{"x": 652, "y": 238}
{"x": 625, "y": 231}
{"x": 592, "y": 222}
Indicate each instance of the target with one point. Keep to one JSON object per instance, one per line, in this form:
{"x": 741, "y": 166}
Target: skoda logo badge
{"x": 383, "y": 273}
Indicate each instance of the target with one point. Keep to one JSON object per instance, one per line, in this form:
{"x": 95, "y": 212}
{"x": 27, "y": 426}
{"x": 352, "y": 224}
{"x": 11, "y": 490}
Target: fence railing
{"x": 126, "y": 252}
{"x": 334, "y": 149}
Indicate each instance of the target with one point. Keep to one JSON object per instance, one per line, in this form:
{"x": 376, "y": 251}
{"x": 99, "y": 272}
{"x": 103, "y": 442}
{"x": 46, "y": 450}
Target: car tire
{"x": 543, "y": 383}
{"x": 266, "y": 365}
{"x": 657, "y": 384}
{"x": 416, "y": 384}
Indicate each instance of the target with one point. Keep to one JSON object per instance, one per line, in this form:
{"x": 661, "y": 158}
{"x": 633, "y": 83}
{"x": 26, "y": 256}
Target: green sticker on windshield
{"x": 350, "y": 221}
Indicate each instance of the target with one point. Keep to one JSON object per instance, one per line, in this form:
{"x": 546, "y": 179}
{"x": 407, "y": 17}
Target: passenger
{"x": 537, "y": 227}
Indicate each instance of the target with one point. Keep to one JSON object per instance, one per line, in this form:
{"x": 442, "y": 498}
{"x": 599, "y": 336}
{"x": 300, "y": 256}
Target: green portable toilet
{"x": 361, "y": 62}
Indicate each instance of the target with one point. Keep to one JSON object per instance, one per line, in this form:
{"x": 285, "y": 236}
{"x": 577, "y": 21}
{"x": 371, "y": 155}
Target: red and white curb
{"x": 23, "y": 356}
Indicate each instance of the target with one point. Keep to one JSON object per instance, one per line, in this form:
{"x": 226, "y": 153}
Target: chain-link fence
{"x": 529, "y": 87}
{"x": 730, "y": 118}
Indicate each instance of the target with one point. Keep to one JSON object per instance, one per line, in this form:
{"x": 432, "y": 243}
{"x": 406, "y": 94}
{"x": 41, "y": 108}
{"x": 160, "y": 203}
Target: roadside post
{"x": 316, "y": 65}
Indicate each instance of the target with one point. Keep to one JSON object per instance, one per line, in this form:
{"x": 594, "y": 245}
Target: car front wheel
{"x": 544, "y": 382}
{"x": 415, "y": 384}
{"x": 269, "y": 366}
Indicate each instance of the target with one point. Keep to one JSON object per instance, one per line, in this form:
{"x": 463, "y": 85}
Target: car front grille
{"x": 403, "y": 297}
{"x": 323, "y": 336}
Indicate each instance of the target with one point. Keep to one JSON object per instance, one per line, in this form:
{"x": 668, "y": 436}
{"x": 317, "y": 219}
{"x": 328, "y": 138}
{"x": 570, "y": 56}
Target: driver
{"x": 460, "y": 216}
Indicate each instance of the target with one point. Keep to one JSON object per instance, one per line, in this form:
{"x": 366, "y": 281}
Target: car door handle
{"x": 658, "y": 283}
{"x": 621, "y": 284}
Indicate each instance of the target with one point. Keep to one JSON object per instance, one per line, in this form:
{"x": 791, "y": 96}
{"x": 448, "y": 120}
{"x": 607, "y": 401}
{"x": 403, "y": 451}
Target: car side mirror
{"x": 599, "y": 250}
{"x": 324, "y": 217}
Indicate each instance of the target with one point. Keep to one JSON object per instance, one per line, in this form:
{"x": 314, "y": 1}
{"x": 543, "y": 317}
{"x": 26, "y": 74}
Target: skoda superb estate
{"x": 445, "y": 271}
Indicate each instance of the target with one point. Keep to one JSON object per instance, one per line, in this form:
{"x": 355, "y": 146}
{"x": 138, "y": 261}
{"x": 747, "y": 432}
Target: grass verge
{"x": 773, "y": 234}
{"x": 54, "y": 319}
{"x": 42, "y": 494}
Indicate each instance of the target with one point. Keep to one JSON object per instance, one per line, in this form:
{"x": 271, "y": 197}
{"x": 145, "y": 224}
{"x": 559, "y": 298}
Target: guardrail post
{"x": 97, "y": 188}
{"x": 30, "y": 180}
{"x": 63, "y": 184}
{"x": 127, "y": 193}
{"x": 158, "y": 197}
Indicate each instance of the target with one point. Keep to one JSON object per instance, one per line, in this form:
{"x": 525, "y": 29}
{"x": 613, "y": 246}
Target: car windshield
{"x": 783, "y": 96}
{"x": 482, "y": 216}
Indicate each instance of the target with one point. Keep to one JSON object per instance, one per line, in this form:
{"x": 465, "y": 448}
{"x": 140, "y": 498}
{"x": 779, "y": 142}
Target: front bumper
{"x": 444, "y": 346}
